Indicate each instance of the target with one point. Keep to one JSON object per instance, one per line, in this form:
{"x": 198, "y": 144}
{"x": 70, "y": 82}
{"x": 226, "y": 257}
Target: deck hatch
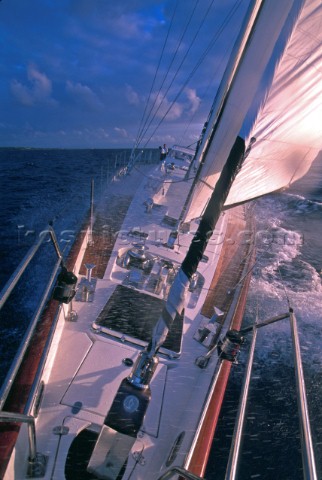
{"x": 134, "y": 314}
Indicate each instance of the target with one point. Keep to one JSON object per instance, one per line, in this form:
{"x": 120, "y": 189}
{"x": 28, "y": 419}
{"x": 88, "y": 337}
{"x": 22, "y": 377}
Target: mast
{"x": 215, "y": 206}
{"x": 234, "y": 104}
{"x": 223, "y": 91}
{"x": 227, "y": 79}
{"x": 224, "y": 87}
{"x": 175, "y": 300}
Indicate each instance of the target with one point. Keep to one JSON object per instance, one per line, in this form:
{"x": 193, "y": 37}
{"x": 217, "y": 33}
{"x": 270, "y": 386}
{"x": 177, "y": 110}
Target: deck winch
{"x": 229, "y": 347}
{"x": 137, "y": 257}
{"x": 65, "y": 290}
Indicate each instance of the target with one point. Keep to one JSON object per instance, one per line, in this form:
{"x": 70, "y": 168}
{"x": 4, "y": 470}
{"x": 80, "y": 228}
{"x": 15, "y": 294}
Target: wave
{"x": 281, "y": 263}
{"x": 303, "y": 204}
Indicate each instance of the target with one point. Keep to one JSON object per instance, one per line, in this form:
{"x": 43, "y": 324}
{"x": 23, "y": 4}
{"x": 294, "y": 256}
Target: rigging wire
{"x": 203, "y": 95}
{"x": 154, "y": 79}
{"x": 143, "y": 132}
{"x": 183, "y": 59}
{"x": 201, "y": 59}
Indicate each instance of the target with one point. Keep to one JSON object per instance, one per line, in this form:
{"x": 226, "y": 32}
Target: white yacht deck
{"x": 88, "y": 362}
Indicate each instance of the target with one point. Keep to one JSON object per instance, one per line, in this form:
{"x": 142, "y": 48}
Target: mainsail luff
{"x": 226, "y": 81}
{"x": 247, "y": 80}
{"x": 288, "y": 127}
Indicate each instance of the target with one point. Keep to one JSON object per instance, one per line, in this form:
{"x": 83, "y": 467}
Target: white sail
{"x": 289, "y": 126}
{"x": 272, "y": 123}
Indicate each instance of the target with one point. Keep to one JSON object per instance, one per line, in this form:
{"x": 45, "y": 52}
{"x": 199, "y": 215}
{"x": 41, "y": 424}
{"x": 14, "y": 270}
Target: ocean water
{"x": 39, "y": 186}
{"x": 287, "y": 272}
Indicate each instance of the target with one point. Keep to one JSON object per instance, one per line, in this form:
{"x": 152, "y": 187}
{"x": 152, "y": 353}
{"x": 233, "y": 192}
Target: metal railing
{"x": 36, "y": 461}
{"x": 15, "y": 277}
{"x": 308, "y": 460}
{"x": 8, "y": 288}
{"x": 236, "y": 441}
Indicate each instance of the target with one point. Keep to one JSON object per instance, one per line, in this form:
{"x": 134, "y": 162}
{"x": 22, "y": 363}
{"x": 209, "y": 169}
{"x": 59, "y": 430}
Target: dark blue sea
{"x": 287, "y": 271}
{"x": 42, "y": 186}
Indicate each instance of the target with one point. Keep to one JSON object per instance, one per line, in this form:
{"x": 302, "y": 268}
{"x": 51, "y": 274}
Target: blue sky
{"x": 79, "y": 73}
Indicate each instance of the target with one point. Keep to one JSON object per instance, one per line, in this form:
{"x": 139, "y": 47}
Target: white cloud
{"x": 174, "y": 110}
{"x": 165, "y": 108}
{"x": 38, "y": 89}
{"x": 122, "y": 132}
{"x": 128, "y": 25}
{"x": 41, "y": 84}
{"x": 84, "y": 95}
{"x": 132, "y": 96}
{"x": 21, "y": 93}
{"x": 193, "y": 99}
{"x": 102, "y": 133}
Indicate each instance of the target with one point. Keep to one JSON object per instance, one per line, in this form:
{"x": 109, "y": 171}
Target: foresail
{"x": 247, "y": 81}
{"x": 289, "y": 126}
